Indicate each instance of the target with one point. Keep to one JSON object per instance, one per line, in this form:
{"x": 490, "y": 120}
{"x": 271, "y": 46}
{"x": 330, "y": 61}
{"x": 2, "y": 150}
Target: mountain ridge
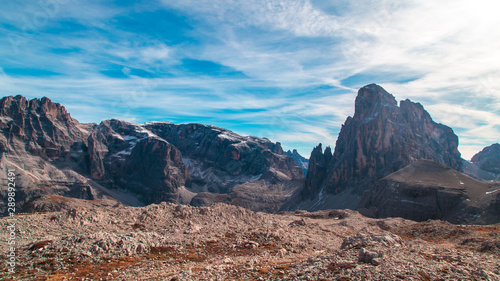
{"x": 140, "y": 164}
{"x": 54, "y": 154}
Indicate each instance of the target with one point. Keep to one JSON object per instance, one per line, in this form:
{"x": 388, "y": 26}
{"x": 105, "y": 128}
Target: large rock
{"x": 46, "y": 148}
{"x": 39, "y": 127}
{"x": 316, "y": 173}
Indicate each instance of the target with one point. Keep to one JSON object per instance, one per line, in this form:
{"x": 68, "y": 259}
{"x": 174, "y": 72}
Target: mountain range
{"x": 389, "y": 160}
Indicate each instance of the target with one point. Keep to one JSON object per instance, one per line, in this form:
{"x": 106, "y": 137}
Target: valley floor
{"x": 102, "y": 240}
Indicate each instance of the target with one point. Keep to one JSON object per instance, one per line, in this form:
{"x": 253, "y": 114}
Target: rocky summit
{"x": 488, "y": 160}
{"x": 379, "y": 139}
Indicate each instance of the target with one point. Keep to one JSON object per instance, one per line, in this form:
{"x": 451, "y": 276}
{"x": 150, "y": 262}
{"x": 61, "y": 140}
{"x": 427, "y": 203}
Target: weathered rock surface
{"x": 378, "y": 140}
{"x": 382, "y": 138}
{"x": 316, "y": 173}
{"x": 127, "y": 156}
{"x": 228, "y": 168}
{"x": 429, "y": 190}
{"x": 97, "y": 239}
{"x": 218, "y": 159}
{"x": 46, "y": 148}
{"x": 39, "y": 127}
{"x": 53, "y": 154}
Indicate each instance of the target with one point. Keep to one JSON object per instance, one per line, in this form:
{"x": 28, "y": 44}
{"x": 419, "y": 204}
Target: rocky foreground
{"x": 103, "y": 240}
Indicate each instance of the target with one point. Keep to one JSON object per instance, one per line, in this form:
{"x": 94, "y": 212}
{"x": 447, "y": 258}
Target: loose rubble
{"x": 96, "y": 241}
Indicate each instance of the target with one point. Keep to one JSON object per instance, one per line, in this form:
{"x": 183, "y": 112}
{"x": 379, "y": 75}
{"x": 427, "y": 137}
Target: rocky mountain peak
{"x": 488, "y": 159}
{"x": 380, "y": 139}
{"x": 19, "y": 106}
{"x": 489, "y": 151}
{"x": 301, "y": 161}
{"x": 371, "y": 100}
{"x": 39, "y": 126}
{"x": 316, "y": 173}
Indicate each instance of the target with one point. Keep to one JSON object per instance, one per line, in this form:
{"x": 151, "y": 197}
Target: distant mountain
{"x": 302, "y": 161}
{"x": 54, "y": 154}
{"x": 378, "y": 140}
{"x": 226, "y": 167}
{"x": 488, "y": 160}
{"x": 124, "y": 155}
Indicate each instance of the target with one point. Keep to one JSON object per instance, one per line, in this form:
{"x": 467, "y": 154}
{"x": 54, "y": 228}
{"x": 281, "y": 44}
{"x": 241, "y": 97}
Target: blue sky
{"x": 285, "y": 70}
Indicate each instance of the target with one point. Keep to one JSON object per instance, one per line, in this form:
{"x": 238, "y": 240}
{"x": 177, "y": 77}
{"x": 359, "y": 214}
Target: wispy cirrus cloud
{"x": 287, "y": 70}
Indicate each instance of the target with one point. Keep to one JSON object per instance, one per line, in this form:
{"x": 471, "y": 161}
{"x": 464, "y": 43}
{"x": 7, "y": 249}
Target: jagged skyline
{"x": 288, "y": 71}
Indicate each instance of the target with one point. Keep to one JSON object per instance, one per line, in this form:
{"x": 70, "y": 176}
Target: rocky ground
{"x": 103, "y": 240}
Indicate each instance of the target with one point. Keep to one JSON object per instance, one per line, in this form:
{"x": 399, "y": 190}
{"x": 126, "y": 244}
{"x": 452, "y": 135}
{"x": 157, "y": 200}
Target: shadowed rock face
{"x": 219, "y": 159}
{"x": 316, "y": 173}
{"x": 382, "y": 138}
{"x": 488, "y": 159}
{"x": 127, "y": 156}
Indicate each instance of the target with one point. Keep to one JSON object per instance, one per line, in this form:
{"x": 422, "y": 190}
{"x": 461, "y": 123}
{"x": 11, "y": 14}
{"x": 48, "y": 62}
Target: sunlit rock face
{"x": 382, "y": 138}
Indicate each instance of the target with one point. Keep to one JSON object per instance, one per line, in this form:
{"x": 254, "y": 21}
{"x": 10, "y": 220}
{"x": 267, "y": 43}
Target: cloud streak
{"x": 287, "y": 70}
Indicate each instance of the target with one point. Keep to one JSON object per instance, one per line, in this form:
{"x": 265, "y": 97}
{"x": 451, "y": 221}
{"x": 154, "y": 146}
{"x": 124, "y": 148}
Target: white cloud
{"x": 452, "y": 48}
{"x": 296, "y": 16}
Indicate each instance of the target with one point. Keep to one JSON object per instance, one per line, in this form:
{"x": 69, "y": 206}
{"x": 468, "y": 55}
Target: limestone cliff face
{"x": 127, "y": 156}
{"x": 219, "y": 159}
{"x": 39, "y": 127}
{"x": 45, "y": 147}
{"x": 316, "y": 173}
{"x": 382, "y": 138}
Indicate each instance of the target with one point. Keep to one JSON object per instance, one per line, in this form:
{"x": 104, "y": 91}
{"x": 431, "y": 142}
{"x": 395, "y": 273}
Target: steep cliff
{"x": 380, "y": 139}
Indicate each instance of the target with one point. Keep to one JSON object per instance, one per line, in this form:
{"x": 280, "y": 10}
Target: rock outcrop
{"x": 39, "y": 127}
{"x": 429, "y": 190}
{"x": 316, "y": 173}
{"x": 45, "y": 147}
{"x": 380, "y": 139}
